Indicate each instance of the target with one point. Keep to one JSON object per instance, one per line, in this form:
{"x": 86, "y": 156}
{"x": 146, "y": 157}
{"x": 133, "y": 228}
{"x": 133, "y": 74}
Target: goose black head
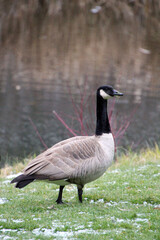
{"x": 107, "y": 92}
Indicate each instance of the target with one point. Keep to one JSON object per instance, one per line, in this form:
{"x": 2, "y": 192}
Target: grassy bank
{"x": 123, "y": 204}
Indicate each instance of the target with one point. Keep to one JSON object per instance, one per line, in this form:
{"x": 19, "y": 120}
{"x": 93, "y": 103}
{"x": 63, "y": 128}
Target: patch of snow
{"x": 145, "y": 204}
{"x": 100, "y": 200}
{"x": 156, "y": 175}
{"x": 81, "y": 212}
{"x": 33, "y": 190}
{"x": 97, "y": 232}
{"x": 51, "y": 232}
{"x": 140, "y": 214}
{"x": 111, "y": 183}
{"x": 13, "y": 175}
{"x": 157, "y": 206}
{"x": 69, "y": 189}
{"x": 21, "y": 231}
{"x": 123, "y": 202}
{"x": 17, "y": 220}
{"x": 136, "y": 222}
{"x": 3, "y": 200}
{"x": 90, "y": 224}
{"x": 119, "y": 220}
{"x": 92, "y": 188}
{"x": 6, "y": 182}
{"x": 71, "y": 197}
{"x": 80, "y": 227}
{"x": 111, "y": 204}
{"x": 63, "y": 235}
{"x": 35, "y": 219}
{"x": 20, "y": 194}
{"x": 56, "y": 224}
{"x": 137, "y": 225}
{"x": 140, "y": 175}
{"x": 139, "y": 190}
{"x": 7, "y": 237}
{"x": 125, "y": 183}
{"x": 148, "y": 204}
{"x": 4, "y": 230}
{"x": 100, "y": 217}
{"x": 91, "y": 231}
{"x": 3, "y": 220}
{"x": 114, "y": 171}
{"x": 141, "y": 220}
{"x": 144, "y": 167}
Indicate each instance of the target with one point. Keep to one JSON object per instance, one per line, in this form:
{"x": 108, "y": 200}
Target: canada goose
{"x": 77, "y": 160}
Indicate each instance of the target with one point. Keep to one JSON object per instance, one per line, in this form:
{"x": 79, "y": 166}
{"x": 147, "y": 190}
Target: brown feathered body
{"x": 77, "y": 160}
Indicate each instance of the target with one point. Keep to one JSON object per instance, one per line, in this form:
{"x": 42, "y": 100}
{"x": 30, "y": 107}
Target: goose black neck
{"x": 102, "y": 125}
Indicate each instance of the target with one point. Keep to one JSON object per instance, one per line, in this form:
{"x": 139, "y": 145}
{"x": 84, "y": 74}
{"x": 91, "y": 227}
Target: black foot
{"x": 59, "y": 201}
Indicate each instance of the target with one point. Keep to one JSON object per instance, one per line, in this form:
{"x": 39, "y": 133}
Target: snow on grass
{"x": 101, "y": 200}
{"x": 66, "y": 234}
{"x": 130, "y": 221}
{"x": 3, "y": 220}
{"x": 13, "y": 175}
{"x": 111, "y": 204}
{"x": 8, "y": 230}
{"x": 91, "y": 188}
{"x": 81, "y": 213}
{"x": 111, "y": 183}
{"x": 52, "y": 232}
{"x": 7, "y": 237}
{"x": 124, "y": 201}
{"x": 114, "y": 171}
{"x": 17, "y": 220}
{"x": 156, "y": 175}
{"x": 3, "y": 200}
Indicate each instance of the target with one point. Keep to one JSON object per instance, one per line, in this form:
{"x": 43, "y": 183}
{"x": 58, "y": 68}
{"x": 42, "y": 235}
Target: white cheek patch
{"x": 104, "y": 94}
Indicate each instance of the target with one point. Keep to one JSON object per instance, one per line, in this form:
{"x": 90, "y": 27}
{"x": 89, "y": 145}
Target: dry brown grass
{"x": 16, "y": 168}
{"x": 15, "y": 16}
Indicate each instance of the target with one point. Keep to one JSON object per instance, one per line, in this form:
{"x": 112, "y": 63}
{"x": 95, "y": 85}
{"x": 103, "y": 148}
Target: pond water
{"x": 45, "y": 62}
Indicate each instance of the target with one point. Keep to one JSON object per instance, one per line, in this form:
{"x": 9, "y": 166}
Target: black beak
{"x": 116, "y": 93}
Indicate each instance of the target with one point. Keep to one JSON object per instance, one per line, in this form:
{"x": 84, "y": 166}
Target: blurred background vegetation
{"x": 52, "y": 49}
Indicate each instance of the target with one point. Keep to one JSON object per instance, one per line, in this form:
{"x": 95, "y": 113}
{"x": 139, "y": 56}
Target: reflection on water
{"x": 60, "y": 53}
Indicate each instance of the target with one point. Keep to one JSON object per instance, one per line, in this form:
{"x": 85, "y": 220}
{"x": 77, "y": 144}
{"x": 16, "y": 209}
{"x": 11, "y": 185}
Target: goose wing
{"x": 61, "y": 161}
{"x": 68, "y": 141}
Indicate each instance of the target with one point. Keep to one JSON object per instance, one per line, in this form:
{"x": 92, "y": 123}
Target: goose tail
{"x": 22, "y": 180}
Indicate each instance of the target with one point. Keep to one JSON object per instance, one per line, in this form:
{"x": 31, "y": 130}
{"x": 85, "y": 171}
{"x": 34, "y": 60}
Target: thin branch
{"x": 38, "y": 134}
{"x": 65, "y": 124}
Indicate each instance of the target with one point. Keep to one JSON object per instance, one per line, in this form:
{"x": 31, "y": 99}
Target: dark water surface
{"x": 43, "y": 63}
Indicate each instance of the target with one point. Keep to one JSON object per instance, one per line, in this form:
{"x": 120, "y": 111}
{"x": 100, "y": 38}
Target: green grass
{"x": 123, "y": 204}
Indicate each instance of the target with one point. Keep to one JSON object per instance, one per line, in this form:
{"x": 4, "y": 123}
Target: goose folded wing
{"x": 61, "y": 162}
{"x": 66, "y": 141}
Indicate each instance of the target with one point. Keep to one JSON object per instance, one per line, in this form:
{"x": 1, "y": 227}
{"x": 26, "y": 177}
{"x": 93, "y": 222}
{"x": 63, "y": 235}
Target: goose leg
{"x": 80, "y": 192}
{"x": 59, "y": 199}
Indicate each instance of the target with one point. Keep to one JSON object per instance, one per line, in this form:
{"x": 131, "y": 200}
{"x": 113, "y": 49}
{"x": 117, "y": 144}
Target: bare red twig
{"x": 38, "y": 134}
{"x": 65, "y": 124}
{"x": 118, "y": 127}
